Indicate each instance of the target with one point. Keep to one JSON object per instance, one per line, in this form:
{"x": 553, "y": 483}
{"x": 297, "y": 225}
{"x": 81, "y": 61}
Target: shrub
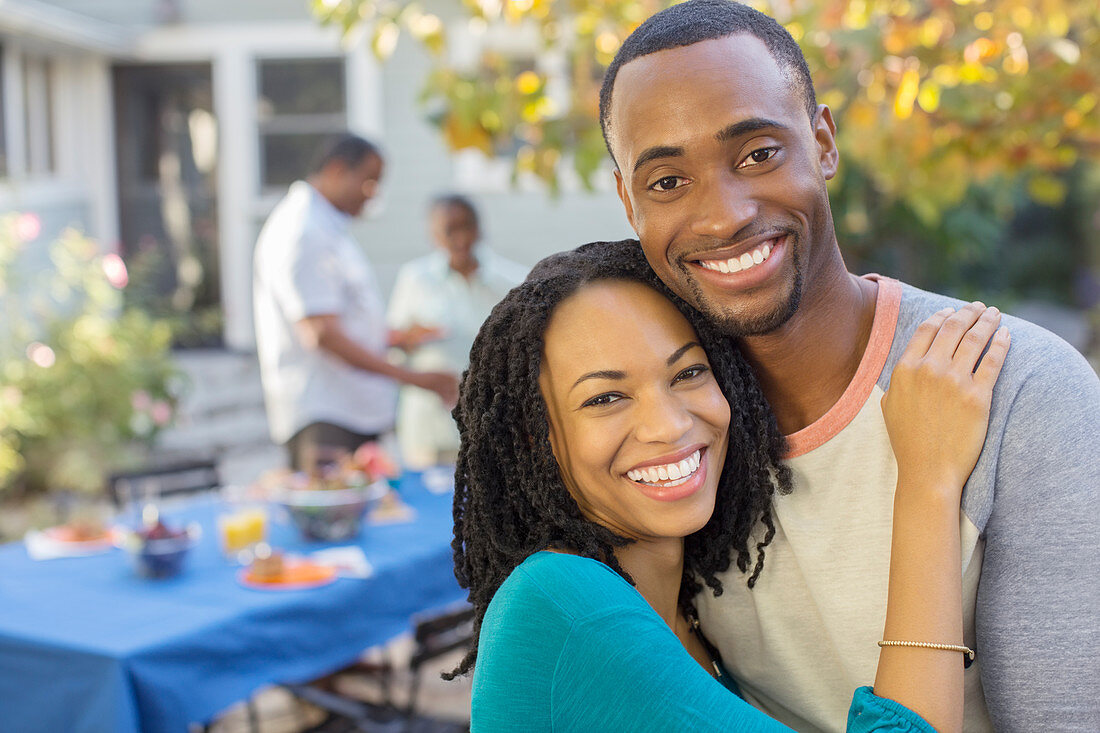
{"x": 85, "y": 383}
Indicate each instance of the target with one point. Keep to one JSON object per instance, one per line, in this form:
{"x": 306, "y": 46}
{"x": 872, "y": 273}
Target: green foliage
{"x": 85, "y": 384}
{"x": 995, "y": 244}
{"x": 931, "y": 97}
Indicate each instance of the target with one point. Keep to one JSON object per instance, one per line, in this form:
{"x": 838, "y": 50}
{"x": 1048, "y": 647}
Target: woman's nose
{"x": 662, "y": 418}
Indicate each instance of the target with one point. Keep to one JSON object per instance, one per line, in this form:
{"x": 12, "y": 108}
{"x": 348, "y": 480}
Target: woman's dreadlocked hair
{"x": 510, "y": 500}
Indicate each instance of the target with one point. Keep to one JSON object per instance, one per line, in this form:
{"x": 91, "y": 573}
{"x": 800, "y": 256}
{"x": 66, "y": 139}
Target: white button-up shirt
{"x": 307, "y": 264}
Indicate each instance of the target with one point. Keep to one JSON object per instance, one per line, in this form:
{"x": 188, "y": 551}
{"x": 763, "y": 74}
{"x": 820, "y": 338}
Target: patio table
{"x": 87, "y": 646}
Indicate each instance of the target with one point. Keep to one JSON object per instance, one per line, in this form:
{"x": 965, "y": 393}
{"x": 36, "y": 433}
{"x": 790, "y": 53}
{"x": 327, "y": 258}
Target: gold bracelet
{"x": 929, "y": 645}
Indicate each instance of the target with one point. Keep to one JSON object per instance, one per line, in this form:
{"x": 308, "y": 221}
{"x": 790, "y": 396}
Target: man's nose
{"x": 724, "y": 207}
{"x": 661, "y": 418}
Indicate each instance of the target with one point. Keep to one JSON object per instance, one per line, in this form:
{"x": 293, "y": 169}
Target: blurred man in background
{"x": 321, "y": 332}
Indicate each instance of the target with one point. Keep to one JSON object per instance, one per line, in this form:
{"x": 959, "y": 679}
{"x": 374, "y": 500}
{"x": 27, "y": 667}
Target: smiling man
{"x": 722, "y": 157}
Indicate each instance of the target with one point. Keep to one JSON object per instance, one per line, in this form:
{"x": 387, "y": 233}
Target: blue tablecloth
{"x": 86, "y": 646}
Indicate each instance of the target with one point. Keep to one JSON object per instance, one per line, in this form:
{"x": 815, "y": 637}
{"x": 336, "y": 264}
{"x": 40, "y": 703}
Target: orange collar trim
{"x": 825, "y": 428}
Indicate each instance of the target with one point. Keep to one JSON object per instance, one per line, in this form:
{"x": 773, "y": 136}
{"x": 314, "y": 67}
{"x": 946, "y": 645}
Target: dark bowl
{"x": 160, "y": 558}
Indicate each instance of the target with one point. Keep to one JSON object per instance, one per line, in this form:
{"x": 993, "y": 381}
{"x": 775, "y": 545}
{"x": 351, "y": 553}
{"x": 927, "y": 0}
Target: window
{"x": 3, "y": 126}
{"x": 300, "y": 103}
{"x": 38, "y": 111}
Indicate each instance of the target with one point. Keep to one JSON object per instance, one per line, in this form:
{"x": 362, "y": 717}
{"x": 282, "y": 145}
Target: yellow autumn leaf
{"x": 1047, "y": 190}
{"x": 929, "y": 96}
{"x": 528, "y": 82}
{"x": 907, "y": 94}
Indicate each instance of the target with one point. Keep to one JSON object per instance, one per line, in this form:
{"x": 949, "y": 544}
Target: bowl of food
{"x": 325, "y": 512}
{"x": 158, "y": 550}
{"x": 328, "y": 503}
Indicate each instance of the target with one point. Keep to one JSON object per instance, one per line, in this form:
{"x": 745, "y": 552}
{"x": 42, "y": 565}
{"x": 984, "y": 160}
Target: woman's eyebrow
{"x": 602, "y": 374}
{"x": 616, "y": 374}
{"x": 681, "y": 351}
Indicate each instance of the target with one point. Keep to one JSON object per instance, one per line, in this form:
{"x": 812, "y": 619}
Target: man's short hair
{"x": 348, "y": 149}
{"x": 444, "y": 200}
{"x": 704, "y": 20}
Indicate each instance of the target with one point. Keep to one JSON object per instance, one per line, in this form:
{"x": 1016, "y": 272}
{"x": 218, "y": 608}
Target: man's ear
{"x": 624, "y": 196}
{"x": 825, "y": 135}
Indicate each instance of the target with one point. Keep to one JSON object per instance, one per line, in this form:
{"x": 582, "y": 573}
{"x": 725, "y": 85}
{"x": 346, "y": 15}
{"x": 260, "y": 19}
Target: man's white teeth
{"x": 676, "y": 472}
{"x": 744, "y": 262}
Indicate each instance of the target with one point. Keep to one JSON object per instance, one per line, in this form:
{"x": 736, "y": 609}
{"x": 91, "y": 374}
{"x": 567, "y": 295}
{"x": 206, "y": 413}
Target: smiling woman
{"x": 587, "y": 373}
{"x": 641, "y": 440}
{"x": 617, "y": 454}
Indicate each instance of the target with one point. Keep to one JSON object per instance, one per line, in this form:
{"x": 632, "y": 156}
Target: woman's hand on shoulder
{"x": 937, "y": 407}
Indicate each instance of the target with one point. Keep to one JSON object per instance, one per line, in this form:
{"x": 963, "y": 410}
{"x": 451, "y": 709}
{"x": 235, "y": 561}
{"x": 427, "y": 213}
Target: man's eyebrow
{"x": 657, "y": 151}
{"x": 681, "y": 351}
{"x": 602, "y": 374}
{"x": 753, "y": 124}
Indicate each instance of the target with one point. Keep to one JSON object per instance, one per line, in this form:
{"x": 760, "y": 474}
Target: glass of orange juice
{"x": 241, "y": 529}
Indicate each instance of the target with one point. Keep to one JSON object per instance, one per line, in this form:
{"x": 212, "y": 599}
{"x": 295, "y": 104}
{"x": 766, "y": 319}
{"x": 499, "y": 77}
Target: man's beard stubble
{"x": 736, "y": 326}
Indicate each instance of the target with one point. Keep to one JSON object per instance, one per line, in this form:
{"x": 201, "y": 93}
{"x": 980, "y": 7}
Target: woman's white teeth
{"x": 744, "y": 262}
{"x": 678, "y": 472}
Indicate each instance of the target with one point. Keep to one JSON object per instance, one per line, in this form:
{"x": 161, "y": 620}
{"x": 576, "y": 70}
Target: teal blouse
{"x": 568, "y": 645}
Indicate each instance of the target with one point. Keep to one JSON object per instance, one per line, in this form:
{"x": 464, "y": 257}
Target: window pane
{"x": 286, "y": 158}
{"x": 301, "y": 86}
{"x": 3, "y": 129}
{"x": 38, "y": 114}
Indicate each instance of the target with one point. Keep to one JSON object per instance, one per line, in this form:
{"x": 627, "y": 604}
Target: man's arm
{"x": 1037, "y": 623}
{"x": 325, "y": 332}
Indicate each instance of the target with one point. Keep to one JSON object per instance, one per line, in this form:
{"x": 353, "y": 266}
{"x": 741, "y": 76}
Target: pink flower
{"x": 140, "y": 400}
{"x": 115, "y": 270}
{"x": 161, "y": 413}
{"x": 41, "y": 355}
{"x": 374, "y": 461}
{"x": 27, "y": 227}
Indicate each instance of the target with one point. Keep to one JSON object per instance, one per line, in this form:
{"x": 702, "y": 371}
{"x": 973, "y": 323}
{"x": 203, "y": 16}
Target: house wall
{"x": 79, "y": 191}
{"x": 151, "y": 12}
{"x": 381, "y": 104}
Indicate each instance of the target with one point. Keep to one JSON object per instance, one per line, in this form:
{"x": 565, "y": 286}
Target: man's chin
{"x": 755, "y": 319}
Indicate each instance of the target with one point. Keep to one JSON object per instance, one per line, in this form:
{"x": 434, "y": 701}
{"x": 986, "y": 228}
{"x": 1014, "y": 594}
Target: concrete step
{"x": 243, "y": 465}
{"x": 219, "y": 381}
{"x": 206, "y": 436}
{"x": 222, "y": 416}
{"x": 211, "y": 404}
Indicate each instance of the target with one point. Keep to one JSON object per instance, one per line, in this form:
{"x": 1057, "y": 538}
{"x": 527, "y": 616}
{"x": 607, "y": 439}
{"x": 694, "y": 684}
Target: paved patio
{"x": 279, "y": 712}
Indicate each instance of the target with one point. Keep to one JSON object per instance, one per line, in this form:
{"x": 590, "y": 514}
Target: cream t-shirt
{"x": 806, "y": 636}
